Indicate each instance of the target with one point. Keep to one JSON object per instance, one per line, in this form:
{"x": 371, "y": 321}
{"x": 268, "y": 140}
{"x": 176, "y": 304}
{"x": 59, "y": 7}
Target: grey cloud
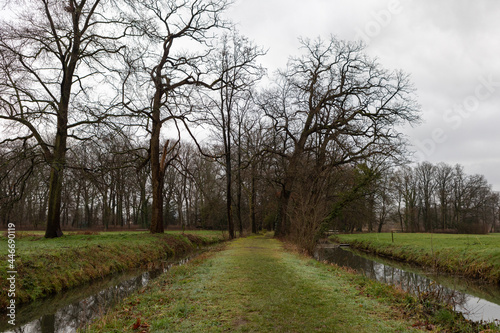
{"x": 448, "y": 47}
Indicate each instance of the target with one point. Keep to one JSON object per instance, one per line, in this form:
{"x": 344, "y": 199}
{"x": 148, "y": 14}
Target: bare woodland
{"x": 145, "y": 114}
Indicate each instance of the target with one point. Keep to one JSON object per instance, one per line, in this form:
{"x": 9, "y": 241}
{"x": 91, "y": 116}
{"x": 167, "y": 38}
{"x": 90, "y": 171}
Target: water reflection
{"x": 68, "y": 311}
{"x": 452, "y": 290}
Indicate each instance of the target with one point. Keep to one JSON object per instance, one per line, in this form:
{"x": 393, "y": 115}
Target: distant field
{"x": 475, "y": 256}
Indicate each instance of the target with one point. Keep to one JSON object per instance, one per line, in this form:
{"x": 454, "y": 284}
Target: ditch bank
{"x": 482, "y": 263}
{"x": 45, "y": 267}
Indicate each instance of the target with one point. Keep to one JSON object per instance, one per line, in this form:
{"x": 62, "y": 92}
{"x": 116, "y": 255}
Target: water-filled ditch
{"x": 476, "y": 300}
{"x": 71, "y": 309}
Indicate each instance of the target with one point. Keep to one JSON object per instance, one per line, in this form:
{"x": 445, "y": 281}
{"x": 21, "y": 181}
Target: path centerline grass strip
{"x": 254, "y": 285}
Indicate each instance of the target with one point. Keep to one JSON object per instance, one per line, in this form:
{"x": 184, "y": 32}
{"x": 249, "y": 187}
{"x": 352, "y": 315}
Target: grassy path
{"x": 254, "y": 285}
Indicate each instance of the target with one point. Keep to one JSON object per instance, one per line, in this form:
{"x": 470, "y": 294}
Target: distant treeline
{"x": 107, "y": 187}
{"x": 426, "y": 198}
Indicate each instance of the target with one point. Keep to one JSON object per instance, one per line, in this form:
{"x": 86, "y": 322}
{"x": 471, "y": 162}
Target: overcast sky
{"x": 451, "y": 48}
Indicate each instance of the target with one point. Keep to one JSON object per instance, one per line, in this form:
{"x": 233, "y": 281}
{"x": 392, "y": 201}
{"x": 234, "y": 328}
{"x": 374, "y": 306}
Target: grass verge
{"x": 46, "y": 266}
{"x": 255, "y": 285}
{"x": 475, "y": 256}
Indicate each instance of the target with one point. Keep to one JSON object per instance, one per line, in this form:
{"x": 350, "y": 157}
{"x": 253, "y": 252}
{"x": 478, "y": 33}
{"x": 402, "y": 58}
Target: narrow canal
{"x": 477, "y": 301}
{"x": 69, "y": 310}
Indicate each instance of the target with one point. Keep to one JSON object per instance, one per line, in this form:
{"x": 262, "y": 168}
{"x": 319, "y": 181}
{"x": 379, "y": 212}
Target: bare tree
{"x": 162, "y": 79}
{"x": 426, "y": 182}
{"x": 459, "y": 179}
{"x": 445, "y": 198}
{"x": 338, "y": 105}
{"x": 52, "y": 55}
{"x": 19, "y": 166}
{"x": 385, "y": 198}
{"x": 444, "y": 175}
{"x": 251, "y": 157}
{"x": 237, "y": 71}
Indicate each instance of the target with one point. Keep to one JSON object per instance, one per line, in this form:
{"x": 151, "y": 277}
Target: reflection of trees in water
{"x": 416, "y": 284}
{"x": 69, "y": 318}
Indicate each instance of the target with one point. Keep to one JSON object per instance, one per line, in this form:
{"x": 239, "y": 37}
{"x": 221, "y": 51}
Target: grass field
{"x": 45, "y": 266}
{"x": 476, "y": 256}
{"x": 255, "y": 285}
{"x": 32, "y": 243}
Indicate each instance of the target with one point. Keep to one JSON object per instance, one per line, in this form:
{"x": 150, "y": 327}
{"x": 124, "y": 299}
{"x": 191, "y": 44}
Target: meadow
{"x": 475, "y": 256}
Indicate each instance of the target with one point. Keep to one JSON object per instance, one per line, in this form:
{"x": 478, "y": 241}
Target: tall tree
{"x": 235, "y": 63}
{"x": 425, "y": 177}
{"x": 338, "y": 105}
{"x": 162, "y": 74}
{"x": 252, "y": 129}
{"x": 444, "y": 175}
{"x": 52, "y": 55}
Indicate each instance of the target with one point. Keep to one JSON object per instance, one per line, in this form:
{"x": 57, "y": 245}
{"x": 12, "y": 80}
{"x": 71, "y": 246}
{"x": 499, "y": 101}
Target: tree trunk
{"x": 371, "y": 208}
{"x": 238, "y": 202}
{"x": 157, "y": 182}
{"x": 238, "y": 182}
{"x": 105, "y": 209}
{"x": 226, "y": 136}
{"x": 53, "y": 228}
{"x": 230, "y": 223}
{"x": 76, "y": 214}
{"x": 282, "y": 227}
{"x": 253, "y": 199}
{"x": 58, "y": 160}
{"x": 156, "y": 167}
{"x": 157, "y": 207}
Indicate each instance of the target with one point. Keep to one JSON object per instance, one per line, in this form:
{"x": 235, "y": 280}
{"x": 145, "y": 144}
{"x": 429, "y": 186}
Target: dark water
{"x": 69, "y": 310}
{"x": 477, "y": 301}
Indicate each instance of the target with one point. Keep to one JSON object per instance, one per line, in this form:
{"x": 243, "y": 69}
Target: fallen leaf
{"x": 137, "y": 324}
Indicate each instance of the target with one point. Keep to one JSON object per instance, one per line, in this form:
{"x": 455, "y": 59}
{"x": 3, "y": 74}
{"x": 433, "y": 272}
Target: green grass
{"x": 254, "y": 285}
{"x": 45, "y": 266}
{"x": 476, "y": 256}
{"x": 28, "y": 242}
